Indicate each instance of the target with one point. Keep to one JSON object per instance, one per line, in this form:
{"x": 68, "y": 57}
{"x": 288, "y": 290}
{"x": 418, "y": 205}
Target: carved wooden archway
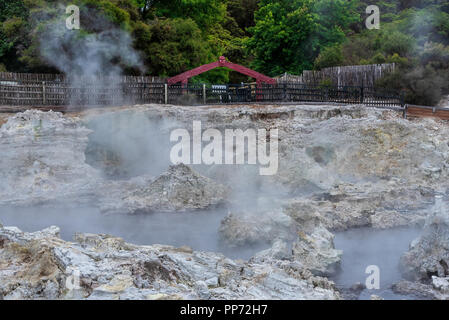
{"x": 184, "y": 77}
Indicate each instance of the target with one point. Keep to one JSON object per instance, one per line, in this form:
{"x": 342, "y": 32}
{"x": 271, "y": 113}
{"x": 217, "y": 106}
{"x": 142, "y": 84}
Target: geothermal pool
{"x": 124, "y": 151}
{"x": 198, "y": 230}
{"x": 364, "y": 247}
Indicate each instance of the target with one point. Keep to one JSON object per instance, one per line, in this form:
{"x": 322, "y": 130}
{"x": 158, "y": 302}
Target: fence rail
{"x": 51, "y": 90}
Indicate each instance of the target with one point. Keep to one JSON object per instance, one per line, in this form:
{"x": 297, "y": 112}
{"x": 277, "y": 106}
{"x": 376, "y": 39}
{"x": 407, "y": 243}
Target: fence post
{"x": 403, "y": 105}
{"x": 44, "y": 98}
{"x": 204, "y": 93}
{"x": 362, "y": 94}
{"x": 166, "y": 93}
{"x": 284, "y": 98}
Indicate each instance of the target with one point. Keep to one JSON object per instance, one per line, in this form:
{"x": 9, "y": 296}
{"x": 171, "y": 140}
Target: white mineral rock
{"x": 42, "y": 266}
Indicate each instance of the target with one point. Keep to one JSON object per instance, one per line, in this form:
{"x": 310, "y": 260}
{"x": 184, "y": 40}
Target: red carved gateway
{"x": 184, "y": 77}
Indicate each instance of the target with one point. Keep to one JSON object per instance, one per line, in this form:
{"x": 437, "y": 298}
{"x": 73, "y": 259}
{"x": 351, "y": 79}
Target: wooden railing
{"x": 414, "y": 111}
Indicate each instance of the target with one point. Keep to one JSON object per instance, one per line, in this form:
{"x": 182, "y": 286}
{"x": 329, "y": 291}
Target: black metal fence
{"x": 63, "y": 93}
{"x": 288, "y": 92}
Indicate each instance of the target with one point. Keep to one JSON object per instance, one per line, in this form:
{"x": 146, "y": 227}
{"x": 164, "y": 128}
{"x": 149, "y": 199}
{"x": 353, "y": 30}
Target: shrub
{"x": 325, "y": 83}
{"x": 378, "y": 58}
{"x": 396, "y": 42}
{"x": 329, "y": 57}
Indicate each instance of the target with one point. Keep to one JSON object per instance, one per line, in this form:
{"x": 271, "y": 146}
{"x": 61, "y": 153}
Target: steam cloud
{"x": 95, "y": 59}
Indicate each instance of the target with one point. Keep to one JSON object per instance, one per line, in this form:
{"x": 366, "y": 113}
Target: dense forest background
{"x": 273, "y": 37}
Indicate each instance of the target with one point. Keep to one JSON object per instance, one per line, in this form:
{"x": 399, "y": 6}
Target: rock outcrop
{"x": 436, "y": 290}
{"x": 178, "y": 189}
{"x": 369, "y": 205}
{"x": 429, "y": 254}
{"x": 252, "y": 228}
{"x": 312, "y": 243}
{"x": 42, "y": 266}
{"x": 356, "y": 166}
{"x": 42, "y": 160}
{"x": 314, "y": 246}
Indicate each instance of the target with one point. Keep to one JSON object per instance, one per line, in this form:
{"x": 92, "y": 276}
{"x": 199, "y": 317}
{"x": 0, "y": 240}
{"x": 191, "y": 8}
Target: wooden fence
{"x": 414, "y": 111}
{"x": 57, "y": 90}
{"x": 365, "y": 75}
{"x": 23, "y": 89}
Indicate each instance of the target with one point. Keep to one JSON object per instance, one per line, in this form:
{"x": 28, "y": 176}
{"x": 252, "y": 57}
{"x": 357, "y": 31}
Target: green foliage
{"x": 415, "y": 37}
{"x": 164, "y": 44}
{"x": 334, "y": 20}
{"x": 435, "y": 55}
{"x": 13, "y": 27}
{"x": 272, "y": 36}
{"x": 13, "y": 35}
{"x": 329, "y": 57}
{"x": 12, "y": 8}
{"x": 396, "y": 42}
{"x": 242, "y": 12}
{"x": 206, "y": 13}
{"x": 398, "y": 60}
{"x": 378, "y": 58}
{"x": 289, "y": 35}
{"x": 280, "y": 41}
{"x": 325, "y": 83}
{"x": 421, "y": 85}
{"x": 423, "y": 82}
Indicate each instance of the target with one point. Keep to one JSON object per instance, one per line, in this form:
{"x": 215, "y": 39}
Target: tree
{"x": 289, "y": 35}
{"x": 50, "y": 42}
{"x": 205, "y": 13}
{"x": 242, "y": 12}
{"x": 334, "y": 18}
{"x": 145, "y": 7}
{"x": 13, "y": 33}
{"x": 281, "y": 34}
{"x": 329, "y": 57}
{"x": 172, "y": 46}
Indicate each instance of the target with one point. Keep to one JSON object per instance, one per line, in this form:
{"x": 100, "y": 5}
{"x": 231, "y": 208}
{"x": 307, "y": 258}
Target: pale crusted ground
{"x": 340, "y": 167}
{"x": 42, "y": 266}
